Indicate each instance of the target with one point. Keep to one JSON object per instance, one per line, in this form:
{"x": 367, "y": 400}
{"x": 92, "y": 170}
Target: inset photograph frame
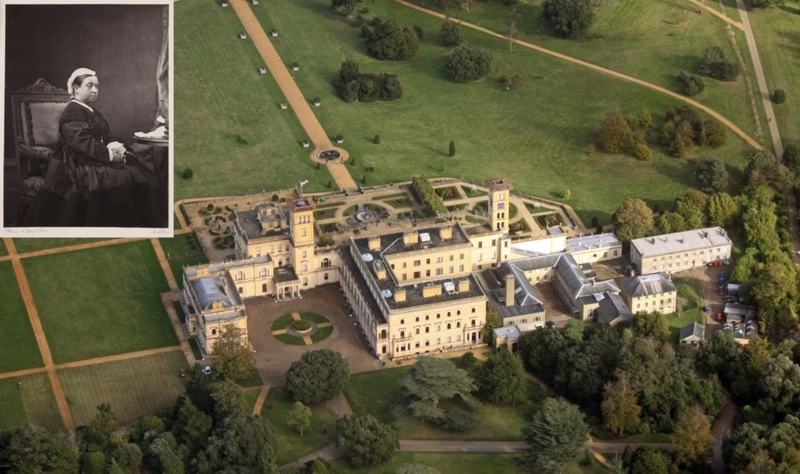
{"x": 88, "y": 108}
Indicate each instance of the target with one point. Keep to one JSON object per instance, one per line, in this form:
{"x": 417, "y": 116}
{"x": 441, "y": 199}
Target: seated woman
{"x": 93, "y": 179}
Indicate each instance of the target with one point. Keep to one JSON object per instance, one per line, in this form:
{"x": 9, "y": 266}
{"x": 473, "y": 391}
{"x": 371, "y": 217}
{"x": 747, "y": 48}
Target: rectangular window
{"x": 501, "y": 205}
{"x": 427, "y": 273}
{"x": 417, "y": 274}
{"x": 439, "y": 259}
{"x": 480, "y": 245}
{"x": 452, "y": 269}
{"x": 461, "y": 268}
{"x": 427, "y": 261}
{"x": 452, "y": 257}
{"x": 440, "y": 271}
{"x": 480, "y": 257}
{"x": 417, "y": 263}
{"x": 494, "y": 255}
{"x": 272, "y": 250}
{"x": 461, "y": 257}
{"x": 405, "y": 264}
{"x": 303, "y": 233}
{"x": 405, "y": 276}
{"x": 305, "y": 254}
{"x": 494, "y": 242}
{"x": 258, "y": 252}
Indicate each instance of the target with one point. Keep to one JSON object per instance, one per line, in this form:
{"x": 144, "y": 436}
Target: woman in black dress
{"x": 93, "y": 179}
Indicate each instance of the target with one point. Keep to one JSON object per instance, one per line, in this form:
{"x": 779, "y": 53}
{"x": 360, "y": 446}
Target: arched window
{"x": 427, "y": 317}
{"x": 449, "y": 339}
{"x": 473, "y": 322}
{"x": 438, "y": 315}
{"x": 448, "y": 325}
{"x": 458, "y": 324}
{"x": 402, "y": 321}
{"x": 473, "y": 310}
{"x": 438, "y": 327}
{"x": 417, "y": 331}
{"x": 458, "y": 313}
{"x": 264, "y": 288}
{"x": 417, "y": 319}
{"x": 448, "y": 314}
{"x": 214, "y": 332}
{"x": 427, "y": 342}
{"x": 427, "y": 329}
{"x": 324, "y": 276}
{"x": 458, "y": 337}
{"x": 383, "y": 335}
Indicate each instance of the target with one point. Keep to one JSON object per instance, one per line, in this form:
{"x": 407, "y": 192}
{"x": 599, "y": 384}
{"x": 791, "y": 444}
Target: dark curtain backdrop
{"x": 121, "y": 43}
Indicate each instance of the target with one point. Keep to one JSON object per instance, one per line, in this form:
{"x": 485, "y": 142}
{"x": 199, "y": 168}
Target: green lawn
{"x": 35, "y": 403}
{"x": 322, "y": 334}
{"x": 133, "y": 388}
{"x": 180, "y": 245}
{"x": 314, "y": 317}
{"x": 3, "y": 249}
{"x": 101, "y": 301}
{"x": 251, "y": 398}
{"x": 776, "y": 33}
{"x": 445, "y": 463}
{"x": 282, "y": 322}
{"x": 18, "y": 348}
{"x": 374, "y": 393}
{"x": 293, "y": 446}
{"x": 32, "y": 245}
{"x": 539, "y": 134}
{"x": 687, "y": 317}
{"x": 289, "y": 339}
{"x": 689, "y": 289}
{"x": 232, "y": 134}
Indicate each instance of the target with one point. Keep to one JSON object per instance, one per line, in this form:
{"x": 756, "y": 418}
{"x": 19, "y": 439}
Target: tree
{"x": 715, "y": 65}
{"x": 652, "y": 324}
{"x": 318, "y": 376}
{"x": 452, "y": 149}
{"x": 299, "y": 417}
{"x": 192, "y": 426}
{"x": 371, "y": 442}
{"x": 431, "y": 380}
{"x": 493, "y": 322}
{"x": 165, "y": 455}
{"x": 692, "y": 83}
{"x": 722, "y": 209}
{"x": 775, "y": 287}
{"x": 669, "y": 222}
{"x": 717, "y": 353}
{"x": 233, "y": 359}
{"x": 34, "y": 449}
{"x": 468, "y": 64}
{"x": 715, "y": 132}
{"x": 615, "y": 133}
{"x": 767, "y": 3}
{"x": 128, "y": 457}
{"x": 692, "y": 437}
{"x": 791, "y": 157}
{"x": 620, "y": 408}
{"x": 633, "y": 219}
{"x": 239, "y": 443}
{"x": 555, "y": 438}
{"x": 779, "y": 387}
{"x": 393, "y": 40}
{"x": 450, "y": 33}
{"x": 228, "y": 397}
{"x": 712, "y": 174}
{"x": 692, "y": 215}
{"x": 570, "y": 18}
{"x": 501, "y": 380}
{"x": 344, "y": 7}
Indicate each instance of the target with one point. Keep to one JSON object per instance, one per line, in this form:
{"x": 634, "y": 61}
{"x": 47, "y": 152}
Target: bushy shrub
{"x": 716, "y": 133}
{"x": 393, "y": 40}
{"x": 570, "y": 18}
{"x": 353, "y": 86}
{"x": 426, "y": 193}
{"x": 377, "y": 139}
{"x": 779, "y": 96}
{"x": 716, "y": 66}
{"x": 301, "y": 325}
{"x": 450, "y": 33}
{"x": 187, "y": 173}
{"x": 466, "y": 64}
{"x": 692, "y": 83}
{"x": 643, "y": 152}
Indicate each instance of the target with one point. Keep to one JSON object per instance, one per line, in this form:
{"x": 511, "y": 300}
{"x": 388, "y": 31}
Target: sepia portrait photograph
{"x": 86, "y": 120}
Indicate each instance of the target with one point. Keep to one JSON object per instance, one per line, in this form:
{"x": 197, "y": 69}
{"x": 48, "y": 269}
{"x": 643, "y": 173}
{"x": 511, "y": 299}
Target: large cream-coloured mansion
{"x": 412, "y": 291}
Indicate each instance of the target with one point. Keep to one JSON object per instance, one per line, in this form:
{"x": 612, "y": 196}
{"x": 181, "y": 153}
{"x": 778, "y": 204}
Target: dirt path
{"x": 262, "y": 397}
{"x": 38, "y": 331}
{"x": 579, "y": 62}
{"x": 718, "y": 14}
{"x": 177, "y": 326}
{"x": 70, "y": 248}
{"x": 722, "y": 428}
{"x": 298, "y": 103}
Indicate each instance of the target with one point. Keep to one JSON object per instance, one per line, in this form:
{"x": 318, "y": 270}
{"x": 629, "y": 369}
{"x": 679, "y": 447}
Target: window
{"x": 240, "y": 290}
{"x": 605, "y": 254}
{"x": 438, "y": 315}
{"x": 405, "y": 276}
{"x": 458, "y": 324}
{"x": 473, "y": 310}
{"x": 304, "y": 266}
{"x": 264, "y": 288}
{"x": 272, "y": 250}
{"x": 440, "y": 271}
{"x": 416, "y": 319}
{"x": 239, "y": 276}
{"x": 427, "y": 317}
{"x": 615, "y": 253}
{"x": 438, "y": 340}
{"x": 449, "y": 339}
{"x": 303, "y": 233}
{"x": 214, "y": 332}
{"x": 439, "y": 259}
{"x": 305, "y": 254}
{"x": 402, "y": 334}
{"x": 458, "y": 312}
{"x": 427, "y": 273}
{"x": 505, "y": 244}
{"x": 480, "y": 257}
{"x": 461, "y": 268}
{"x": 458, "y": 337}
{"x": 452, "y": 257}
{"x": 494, "y": 242}
{"x": 263, "y": 272}
{"x": 427, "y": 329}
{"x": 417, "y": 274}
{"x": 417, "y": 263}
{"x": 402, "y": 321}
{"x": 258, "y": 252}
{"x": 305, "y": 281}
{"x": 416, "y": 331}
{"x": 524, "y": 321}
{"x": 325, "y": 276}
{"x": 480, "y": 245}
{"x": 448, "y": 326}
{"x": 417, "y": 344}
{"x": 452, "y": 269}
{"x": 473, "y": 322}
{"x": 427, "y": 261}
{"x": 494, "y": 255}
{"x": 438, "y": 327}
{"x": 448, "y": 314}
{"x": 427, "y": 342}
{"x": 404, "y": 264}
{"x": 461, "y": 256}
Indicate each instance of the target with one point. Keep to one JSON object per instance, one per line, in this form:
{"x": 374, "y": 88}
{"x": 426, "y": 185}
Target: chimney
{"x": 400, "y": 295}
{"x": 446, "y": 233}
{"x": 410, "y": 238}
{"x": 510, "y": 289}
{"x": 463, "y": 285}
{"x": 431, "y": 290}
{"x": 374, "y": 243}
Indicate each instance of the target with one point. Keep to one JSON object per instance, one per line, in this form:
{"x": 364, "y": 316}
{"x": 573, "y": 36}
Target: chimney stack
{"x": 510, "y": 289}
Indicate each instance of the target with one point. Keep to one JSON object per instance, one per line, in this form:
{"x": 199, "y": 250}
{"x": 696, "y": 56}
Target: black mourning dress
{"x": 84, "y": 188}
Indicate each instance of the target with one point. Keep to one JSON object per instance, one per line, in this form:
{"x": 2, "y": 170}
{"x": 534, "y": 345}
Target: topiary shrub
{"x": 377, "y": 139}
{"x": 187, "y": 173}
{"x": 274, "y": 198}
{"x": 450, "y": 33}
{"x": 301, "y": 325}
{"x": 779, "y": 96}
{"x": 393, "y": 40}
{"x": 465, "y": 64}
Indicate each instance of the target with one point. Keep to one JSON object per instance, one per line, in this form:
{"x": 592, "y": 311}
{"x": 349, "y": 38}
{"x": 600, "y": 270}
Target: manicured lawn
{"x": 313, "y": 317}
{"x": 688, "y": 316}
{"x": 293, "y": 446}
{"x": 322, "y": 334}
{"x": 282, "y": 322}
{"x": 32, "y": 245}
{"x": 233, "y": 134}
{"x": 689, "y": 289}
{"x": 133, "y": 388}
{"x": 33, "y": 404}
{"x": 3, "y": 249}
{"x": 775, "y": 30}
{"x": 180, "y": 244}
{"x": 374, "y": 393}
{"x": 253, "y": 380}
{"x": 18, "y": 348}
{"x": 101, "y": 301}
{"x": 458, "y": 463}
{"x": 289, "y": 339}
{"x": 538, "y": 135}
{"x": 251, "y": 398}
{"x": 195, "y": 349}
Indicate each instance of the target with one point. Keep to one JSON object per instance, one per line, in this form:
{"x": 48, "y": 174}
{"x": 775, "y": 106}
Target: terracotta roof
{"x": 501, "y": 184}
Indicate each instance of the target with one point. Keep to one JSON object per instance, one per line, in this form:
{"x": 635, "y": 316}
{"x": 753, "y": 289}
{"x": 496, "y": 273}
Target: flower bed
{"x": 549, "y": 220}
{"x": 448, "y": 193}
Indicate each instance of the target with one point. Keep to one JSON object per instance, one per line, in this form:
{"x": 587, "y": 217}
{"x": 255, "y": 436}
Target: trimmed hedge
{"x": 422, "y": 187}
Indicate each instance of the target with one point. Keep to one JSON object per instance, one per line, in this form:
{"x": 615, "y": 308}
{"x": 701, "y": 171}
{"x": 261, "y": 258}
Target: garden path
{"x": 718, "y": 14}
{"x": 167, "y": 300}
{"x": 262, "y": 397}
{"x": 294, "y": 96}
{"x": 38, "y": 331}
{"x": 604, "y": 70}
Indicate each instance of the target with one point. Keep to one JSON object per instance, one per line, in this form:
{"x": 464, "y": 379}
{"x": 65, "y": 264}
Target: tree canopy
{"x": 501, "y": 380}
{"x": 712, "y": 174}
{"x": 318, "y": 376}
{"x": 633, "y": 219}
{"x": 233, "y": 358}
{"x": 393, "y": 40}
{"x": 450, "y": 33}
{"x": 431, "y": 380}
{"x": 555, "y": 437}
{"x": 569, "y": 18}
{"x": 371, "y": 442}
{"x": 468, "y": 64}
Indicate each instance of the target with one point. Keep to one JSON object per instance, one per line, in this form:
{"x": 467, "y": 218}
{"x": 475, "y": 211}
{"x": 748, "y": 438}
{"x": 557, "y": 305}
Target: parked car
{"x": 720, "y": 316}
{"x": 720, "y": 292}
{"x": 706, "y": 309}
{"x": 551, "y": 324}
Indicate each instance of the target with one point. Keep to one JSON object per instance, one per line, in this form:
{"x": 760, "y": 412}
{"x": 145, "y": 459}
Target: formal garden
{"x": 291, "y": 329}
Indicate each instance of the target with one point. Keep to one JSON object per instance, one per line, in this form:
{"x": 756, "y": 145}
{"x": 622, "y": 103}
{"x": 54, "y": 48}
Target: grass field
{"x": 539, "y": 134}
{"x": 101, "y": 301}
{"x": 32, "y": 245}
{"x": 374, "y": 393}
{"x": 459, "y": 463}
{"x": 133, "y": 388}
{"x": 3, "y": 249}
{"x": 777, "y": 32}
{"x": 293, "y": 446}
{"x": 232, "y": 133}
{"x": 33, "y": 404}
{"x": 687, "y": 317}
{"x": 18, "y": 348}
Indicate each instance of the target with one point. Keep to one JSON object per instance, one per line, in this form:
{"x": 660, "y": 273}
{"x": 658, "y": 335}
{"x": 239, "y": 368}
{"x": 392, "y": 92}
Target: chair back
{"x": 36, "y": 110}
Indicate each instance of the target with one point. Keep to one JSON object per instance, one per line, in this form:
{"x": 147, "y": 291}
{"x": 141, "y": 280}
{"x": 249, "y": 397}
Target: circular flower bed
{"x": 301, "y": 326}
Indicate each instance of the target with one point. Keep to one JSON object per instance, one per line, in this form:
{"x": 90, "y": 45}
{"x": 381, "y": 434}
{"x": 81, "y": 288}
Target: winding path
{"x": 595, "y": 67}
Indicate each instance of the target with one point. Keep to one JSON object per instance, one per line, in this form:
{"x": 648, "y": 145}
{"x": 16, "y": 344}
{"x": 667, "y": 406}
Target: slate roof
{"x": 681, "y": 241}
{"x": 693, "y": 329}
{"x": 611, "y": 308}
{"x": 648, "y": 285}
{"x": 576, "y": 282}
{"x": 526, "y": 299}
{"x": 211, "y": 289}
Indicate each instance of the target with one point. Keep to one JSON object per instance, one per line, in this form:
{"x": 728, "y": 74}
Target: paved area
{"x": 297, "y": 102}
{"x": 595, "y": 67}
{"x": 273, "y": 358}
